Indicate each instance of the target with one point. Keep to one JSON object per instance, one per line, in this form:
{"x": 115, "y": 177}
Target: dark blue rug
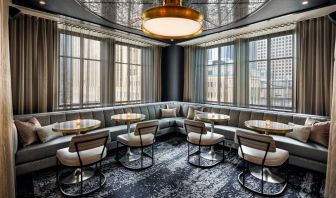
{"x": 172, "y": 176}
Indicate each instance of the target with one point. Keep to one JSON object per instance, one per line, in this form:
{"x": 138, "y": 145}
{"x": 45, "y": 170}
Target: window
{"x": 80, "y": 70}
{"x": 271, "y": 65}
{"x": 128, "y": 72}
{"x": 220, "y": 74}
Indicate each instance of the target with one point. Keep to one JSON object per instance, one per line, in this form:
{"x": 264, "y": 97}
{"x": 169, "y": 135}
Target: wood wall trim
{"x": 7, "y": 176}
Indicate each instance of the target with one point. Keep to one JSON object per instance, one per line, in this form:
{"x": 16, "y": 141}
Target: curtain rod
{"x": 87, "y": 25}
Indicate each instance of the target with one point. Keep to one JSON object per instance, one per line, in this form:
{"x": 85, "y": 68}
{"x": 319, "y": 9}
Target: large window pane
{"x": 258, "y": 83}
{"x": 121, "y": 54}
{"x": 69, "y": 45}
{"x": 135, "y": 82}
{"x": 226, "y": 83}
{"x": 258, "y": 50}
{"x": 282, "y": 46}
{"x": 91, "y": 49}
{"x": 69, "y": 81}
{"x": 121, "y": 82}
{"x": 281, "y": 83}
{"x": 135, "y": 57}
{"x": 212, "y": 82}
{"x": 91, "y": 82}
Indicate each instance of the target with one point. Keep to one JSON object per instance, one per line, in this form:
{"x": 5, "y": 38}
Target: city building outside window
{"x": 270, "y": 71}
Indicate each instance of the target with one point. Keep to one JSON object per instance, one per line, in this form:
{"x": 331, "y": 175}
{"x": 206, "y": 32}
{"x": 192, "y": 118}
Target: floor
{"x": 172, "y": 176}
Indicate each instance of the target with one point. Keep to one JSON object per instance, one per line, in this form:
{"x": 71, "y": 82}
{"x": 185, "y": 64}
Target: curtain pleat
{"x": 315, "y": 39}
{"x": 331, "y": 168}
{"x": 151, "y": 74}
{"x": 33, "y": 61}
{"x": 194, "y": 74}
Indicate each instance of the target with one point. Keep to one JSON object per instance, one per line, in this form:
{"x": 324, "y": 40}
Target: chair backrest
{"x": 194, "y": 126}
{"x": 147, "y": 127}
{"x": 88, "y": 141}
{"x": 256, "y": 141}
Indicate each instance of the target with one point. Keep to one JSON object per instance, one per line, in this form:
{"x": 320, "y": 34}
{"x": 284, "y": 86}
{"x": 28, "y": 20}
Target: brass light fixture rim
{"x": 172, "y": 11}
{"x": 171, "y": 37}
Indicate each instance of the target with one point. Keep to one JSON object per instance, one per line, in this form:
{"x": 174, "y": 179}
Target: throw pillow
{"x": 300, "y": 132}
{"x": 196, "y": 113}
{"x": 46, "y": 133}
{"x": 191, "y": 111}
{"x": 319, "y": 133}
{"x": 27, "y": 131}
{"x": 310, "y": 121}
{"x": 168, "y": 113}
{"x": 175, "y": 106}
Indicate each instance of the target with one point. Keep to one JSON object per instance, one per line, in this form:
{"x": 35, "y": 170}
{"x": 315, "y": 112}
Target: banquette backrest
{"x": 152, "y": 111}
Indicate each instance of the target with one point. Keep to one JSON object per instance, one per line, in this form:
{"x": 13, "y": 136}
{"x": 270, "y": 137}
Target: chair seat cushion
{"x": 41, "y": 150}
{"x": 256, "y": 156}
{"x": 134, "y": 140}
{"x": 307, "y": 150}
{"x": 87, "y": 156}
{"x": 164, "y": 123}
{"x": 206, "y": 139}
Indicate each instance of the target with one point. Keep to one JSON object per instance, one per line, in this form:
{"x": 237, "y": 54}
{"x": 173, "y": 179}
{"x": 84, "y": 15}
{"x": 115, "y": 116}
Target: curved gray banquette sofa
{"x": 42, "y": 155}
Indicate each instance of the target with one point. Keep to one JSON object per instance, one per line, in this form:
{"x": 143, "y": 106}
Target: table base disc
{"x": 212, "y": 155}
{"x": 268, "y": 176}
{"x": 75, "y": 177}
{"x": 130, "y": 157}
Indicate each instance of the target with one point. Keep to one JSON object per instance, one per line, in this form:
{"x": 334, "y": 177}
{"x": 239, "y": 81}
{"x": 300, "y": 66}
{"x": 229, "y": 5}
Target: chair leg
{"x": 117, "y": 155}
{"x": 100, "y": 167}
{"x": 188, "y": 153}
{"x": 141, "y": 157}
{"x": 152, "y": 153}
{"x": 199, "y": 155}
{"x": 262, "y": 180}
{"x": 57, "y": 179}
{"x": 81, "y": 180}
{"x": 223, "y": 151}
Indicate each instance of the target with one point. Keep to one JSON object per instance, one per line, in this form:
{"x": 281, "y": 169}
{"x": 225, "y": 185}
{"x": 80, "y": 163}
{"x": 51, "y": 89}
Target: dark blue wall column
{"x": 172, "y": 73}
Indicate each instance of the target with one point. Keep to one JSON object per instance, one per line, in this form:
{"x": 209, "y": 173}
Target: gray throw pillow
{"x": 168, "y": 113}
{"x": 191, "y": 111}
{"x": 46, "y": 133}
{"x": 300, "y": 132}
{"x": 175, "y": 106}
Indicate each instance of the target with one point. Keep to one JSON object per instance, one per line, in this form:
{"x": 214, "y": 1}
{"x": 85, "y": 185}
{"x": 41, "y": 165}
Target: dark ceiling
{"x": 218, "y": 16}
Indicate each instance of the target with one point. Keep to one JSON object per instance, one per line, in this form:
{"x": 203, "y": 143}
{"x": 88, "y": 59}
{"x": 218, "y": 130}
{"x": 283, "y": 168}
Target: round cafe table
{"x": 212, "y": 118}
{"x": 76, "y": 127}
{"x": 268, "y": 127}
{"x": 128, "y": 118}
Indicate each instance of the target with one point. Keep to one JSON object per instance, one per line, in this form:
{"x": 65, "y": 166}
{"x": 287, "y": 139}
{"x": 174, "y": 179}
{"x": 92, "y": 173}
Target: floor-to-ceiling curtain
{"x": 194, "y": 68}
{"x": 7, "y": 163}
{"x": 315, "y": 40}
{"x": 33, "y": 48}
{"x": 331, "y": 170}
{"x": 151, "y": 74}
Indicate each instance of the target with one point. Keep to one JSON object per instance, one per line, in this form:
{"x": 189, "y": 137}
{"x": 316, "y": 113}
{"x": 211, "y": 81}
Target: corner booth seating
{"x": 42, "y": 155}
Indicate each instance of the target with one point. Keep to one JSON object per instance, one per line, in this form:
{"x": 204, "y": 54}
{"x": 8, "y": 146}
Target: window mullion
{"x": 268, "y": 104}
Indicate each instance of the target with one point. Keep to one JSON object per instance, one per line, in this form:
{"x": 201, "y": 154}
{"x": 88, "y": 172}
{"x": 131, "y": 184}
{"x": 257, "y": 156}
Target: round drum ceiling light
{"x": 172, "y": 21}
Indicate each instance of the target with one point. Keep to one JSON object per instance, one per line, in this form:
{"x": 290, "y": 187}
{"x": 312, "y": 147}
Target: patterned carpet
{"x": 172, "y": 176}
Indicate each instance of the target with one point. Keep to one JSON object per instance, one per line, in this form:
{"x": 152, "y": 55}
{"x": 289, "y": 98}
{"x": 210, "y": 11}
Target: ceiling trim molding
{"x": 284, "y": 21}
{"x": 75, "y": 22}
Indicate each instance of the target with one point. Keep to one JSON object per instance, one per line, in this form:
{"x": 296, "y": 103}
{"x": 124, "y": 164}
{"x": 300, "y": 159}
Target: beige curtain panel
{"x": 331, "y": 170}
{"x": 7, "y": 163}
{"x": 33, "y": 49}
{"x": 315, "y": 40}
